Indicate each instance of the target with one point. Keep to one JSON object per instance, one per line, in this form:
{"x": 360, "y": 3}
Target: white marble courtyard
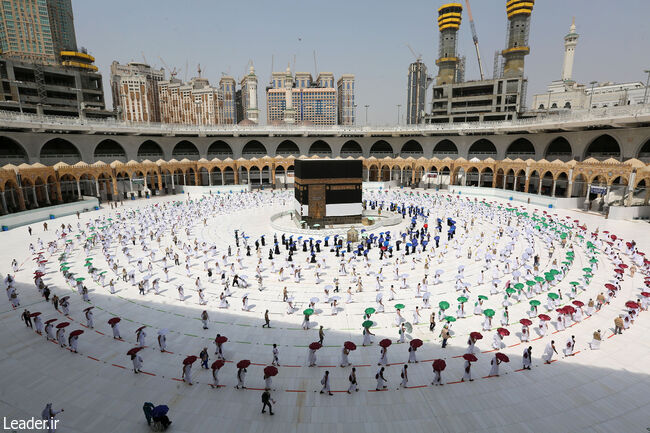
{"x": 604, "y": 390}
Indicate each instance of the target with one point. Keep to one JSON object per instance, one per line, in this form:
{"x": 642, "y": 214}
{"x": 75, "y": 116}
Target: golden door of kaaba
{"x": 317, "y": 201}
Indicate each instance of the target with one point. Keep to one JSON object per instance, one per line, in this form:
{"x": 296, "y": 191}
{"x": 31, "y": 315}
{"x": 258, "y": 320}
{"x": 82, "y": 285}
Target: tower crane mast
{"x": 475, "y": 38}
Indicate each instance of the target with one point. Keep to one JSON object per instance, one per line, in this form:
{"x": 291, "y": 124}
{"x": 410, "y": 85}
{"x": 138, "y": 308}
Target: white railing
{"x": 605, "y": 116}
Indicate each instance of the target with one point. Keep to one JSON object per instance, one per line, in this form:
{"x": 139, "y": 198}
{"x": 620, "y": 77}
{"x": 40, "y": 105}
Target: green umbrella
{"x": 519, "y": 286}
{"x": 369, "y": 311}
{"x": 549, "y": 277}
{"x": 534, "y": 303}
{"x": 580, "y": 237}
{"x": 566, "y": 263}
{"x": 65, "y": 268}
{"x": 587, "y": 270}
{"x": 553, "y": 295}
{"x": 89, "y": 238}
{"x": 462, "y": 299}
{"x": 64, "y": 263}
{"x": 102, "y": 272}
{"x": 570, "y": 253}
{"x": 574, "y": 283}
{"x": 367, "y": 324}
{"x": 399, "y": 306}
{"x": 80, "y": 279}
{"x": 531, "y": 283}
{"x": 88, "y": 259}
{"x": 539, "y": 279}
{"x": 483, "y": 297}
{"x": 594, "y": 260}
{"x": 510, "y": 290}
{"x": 443, "y": 305}
{"x": 563, "y": 236}
{"x": 308, "y": 312}
{"x": 88, "y": 264}
{"x": 553, "y": 272}
{"x": 489, "y": 312}
{"x": 450, "y": 318}
{"x": 69, "y": 241}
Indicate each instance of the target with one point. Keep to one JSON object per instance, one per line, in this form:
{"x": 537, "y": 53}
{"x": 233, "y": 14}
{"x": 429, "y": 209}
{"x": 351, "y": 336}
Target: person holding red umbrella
{"x": 136, "y": 359}
{"x": 187, "y": 369}
{"x": 525, "y": 333}
{"x": 38, "y": 323}
{"x": 73, "y": 340}
{"x": 383, "y": 358}
{"x": 49, "y": 333}
{"x": 467, "y": 368}
{"x": 494, "y": 370}
{"x": 60, "y": 335}
{"x": 241, "y": 377}
{"x": 140, "y": 336}
{"x": 216, "y": 366}
{"x": 353, "y": 381}
{"x": 344, "y": 356}
{"x": 116, "y": 330}
{"x": 88, "y": 312}
{"x": 311, "y": 357}
{"x": 438, "y": 365}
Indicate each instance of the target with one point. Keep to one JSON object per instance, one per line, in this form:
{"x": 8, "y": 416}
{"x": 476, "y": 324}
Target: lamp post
{"x": 591, "y": 96}
{"x": 398, "y": 107}
{"x": 647, "y": 83}
{"x": 366, "y": 113}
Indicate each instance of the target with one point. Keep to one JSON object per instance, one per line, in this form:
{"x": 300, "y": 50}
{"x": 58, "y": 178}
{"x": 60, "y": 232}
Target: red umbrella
{"x": 243, "y": 363}
{"x": 218, "y": 364}
{"x": 623, "y": 266}
{"x": 62, "y": 325}
{"x": 502, "y": 357}
{"x": 76, "y": 332}
{"x": 544, "y": 317}
{"x": 439, "y": 364}
{"x": 140, "y": 329}
{"x": 50, "y": 321}
{"x": 270, "y": 370}
{"x": 629, "y": 244}
{"x": 189, "y": 360}
{"x": 221, "y": 339}
{"x": 561, "y": 310}
{"x": 134, "y": 351}
{"x": 526, "y": 322}
{"x": 416, "y": 342}
{"x": 385, "y": 343}
{"x": 578, "y": 303}
{"x": 619, "y": 270}
{"x": 610, "y": 286}
{"x": 38, "y": 313}
{"x": 646, "y": 294}
{"x": 631, "y": 304}
{"x": 350, "y": 345}
{"x": 112, "y": 321}
{"x": 315, "y": 345}
{"x": 470, "y": 357}
{"x": 613, "y": 237}
{"x": 88, "y": 309}
{"x": 503, "y": 332}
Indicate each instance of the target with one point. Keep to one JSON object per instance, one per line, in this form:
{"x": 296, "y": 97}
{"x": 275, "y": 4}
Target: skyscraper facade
{"x": 416, "y": 92}
{"x": 25, "y": 31}
{"x": 345, "y": 96}
{"x": 192, "y": 103}
{"x": 227, "y": 85}
{"x": 62, "y": 25}
{"x": 135, "y": 91}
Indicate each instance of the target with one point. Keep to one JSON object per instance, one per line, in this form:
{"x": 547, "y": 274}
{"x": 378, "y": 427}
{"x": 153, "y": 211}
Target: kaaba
{"x": 328, "y": 191}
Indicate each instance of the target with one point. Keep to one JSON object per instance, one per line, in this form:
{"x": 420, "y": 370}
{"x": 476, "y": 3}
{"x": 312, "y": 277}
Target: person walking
{"x": 204, "y": 358}
{"x": 321, "y": 335}
{"x": 266, "y": 401}
{"x": 27, "y": 318}
{"x": 48, "y": 413}
{"x": 353, "y": 381}
{"x": 204, "y": 319}
{"x": 325, "y": 381}
{"x": 444, "y": 334}
{"x": 267, "y": 322}
{"x": 276, "y": 351}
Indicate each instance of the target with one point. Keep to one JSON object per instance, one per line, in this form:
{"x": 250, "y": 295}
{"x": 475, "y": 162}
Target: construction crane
{"x": 172, "y": 72}
{"x": 475, "y": 38}
{"x": 418, "y": 57}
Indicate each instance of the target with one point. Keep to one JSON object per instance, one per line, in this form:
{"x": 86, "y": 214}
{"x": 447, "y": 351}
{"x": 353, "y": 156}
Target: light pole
{"x": 591, "y": 96}
{"x": 366, "y": 113}
{"x": 398, "y": 107}
{"x": 647, "y": 83}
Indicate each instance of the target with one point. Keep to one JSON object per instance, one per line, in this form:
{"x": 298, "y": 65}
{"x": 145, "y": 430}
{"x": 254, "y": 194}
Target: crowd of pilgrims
{"x": 143, "y": 246}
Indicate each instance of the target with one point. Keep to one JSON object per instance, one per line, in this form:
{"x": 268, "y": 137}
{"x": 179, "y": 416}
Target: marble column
{"x": 79, "y": 189}
{"x": 34, "y": 195}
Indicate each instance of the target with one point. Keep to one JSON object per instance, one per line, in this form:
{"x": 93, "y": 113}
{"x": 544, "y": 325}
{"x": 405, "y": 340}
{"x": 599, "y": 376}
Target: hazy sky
{"x": 366, "y": 38}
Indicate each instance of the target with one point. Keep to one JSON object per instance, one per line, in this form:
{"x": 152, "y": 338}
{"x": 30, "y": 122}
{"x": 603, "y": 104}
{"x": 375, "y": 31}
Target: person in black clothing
{"x": 27, "y": 318}
{"x": 266, "y": 401}
{"x": 46, "y": 294}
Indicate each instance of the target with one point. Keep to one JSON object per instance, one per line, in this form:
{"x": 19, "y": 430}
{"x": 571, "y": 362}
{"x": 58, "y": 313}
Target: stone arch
{"x": 412, "y": 148}
{"x": 150, "y": 150}
{"x": 59, "y": 149}
{"x": 509, "y": 179}
{"x": 481, "y": 149}
{"x": 561, "y": 185}
{"x": 12, "y": 152}
{"x": 603, "y": 147}
{"x": 351, "y": 148}
{"x": 229, "y": 176}
{"x": 547, "y": 183}
{"x": 185, "y": 149}
{"x": 286, "y": 148}
{"x": 644, "y": 152}
{"x": 500, "y": 179}
{"x": 579, "y": 186}
{"x": 445, "y": 148}
{"x": 444, "y": 175}
{"x": 487, "y": 177}
{"x": 109, "y": 150}
{"x": 381, "y": 149}
{"x": 373, "y": 173}
{"x": 520, "y": 180}
{"x": 472, "y": 176}
{"x": 558, "y": 148}
{"x": 254, "y": 149}
{"x": 533, "y": 182}
{"x": 220, "y": 149}
{"x": 320, "y": 148}
{"x": 521, "y": 148}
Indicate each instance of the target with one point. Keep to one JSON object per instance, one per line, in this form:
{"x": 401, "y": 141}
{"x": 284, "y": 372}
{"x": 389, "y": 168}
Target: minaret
{"x": 570, "y": 42}
{"x": 252, "y": 113}
{"x": 289, "y": 112}
{"x": 449, "y": 18}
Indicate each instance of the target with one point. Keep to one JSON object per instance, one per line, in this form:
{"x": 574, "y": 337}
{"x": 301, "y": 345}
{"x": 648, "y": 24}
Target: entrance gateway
{"x": 328, "y": 191}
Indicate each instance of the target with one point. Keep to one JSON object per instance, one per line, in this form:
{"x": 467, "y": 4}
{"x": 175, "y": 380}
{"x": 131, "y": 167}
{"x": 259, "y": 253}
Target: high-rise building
{"x": 449, "y": 18}
{"x": 192, "y": 103}
{"x": 301, "y": 99}
{"x": 62, "y": 25}
{"x": 135, "y": 91}
{"x": 249, "y": 96}
{"x": 345, "y": 96}
{"x": 517, "y": 48}
{"x": 418, "y": 81}
{"x": 25, "y": 31}
{"x": 227, "y": 85}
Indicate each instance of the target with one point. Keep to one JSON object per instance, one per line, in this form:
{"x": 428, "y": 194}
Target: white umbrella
{"x": 163, "y": 331}
{"x": 314, "y": 300}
